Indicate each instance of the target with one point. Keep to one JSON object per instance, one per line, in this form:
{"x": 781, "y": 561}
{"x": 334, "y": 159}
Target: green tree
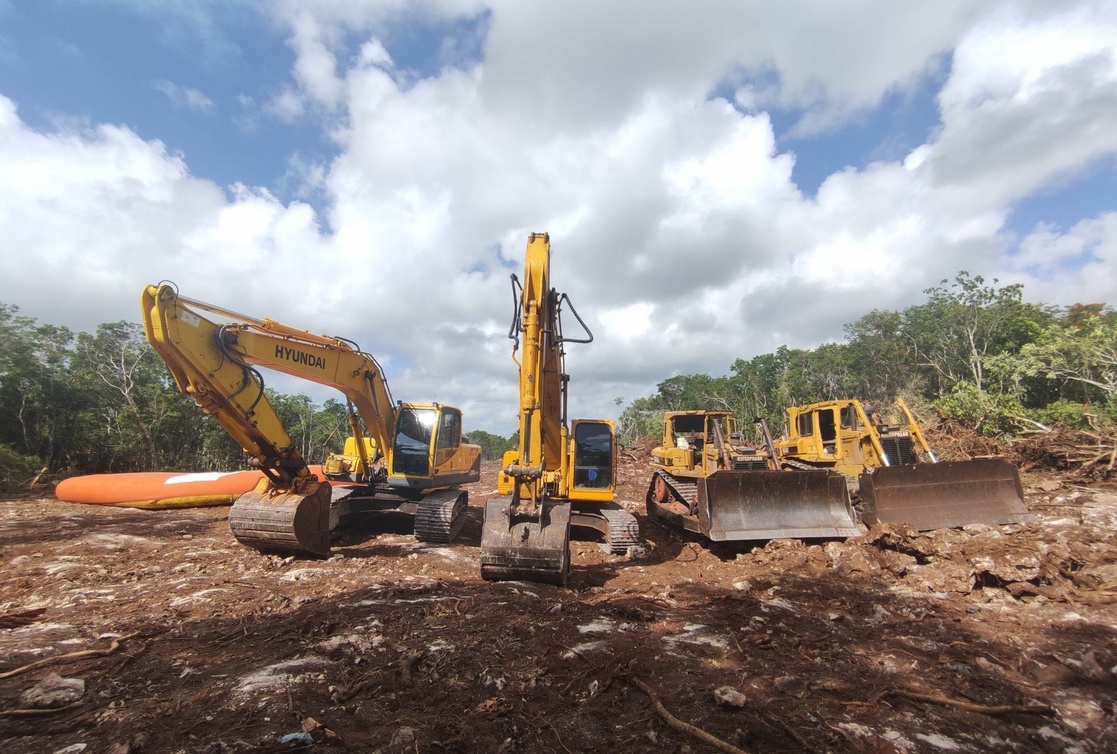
{"x": 493, "y": 447}
{"x": 965, "y": 323}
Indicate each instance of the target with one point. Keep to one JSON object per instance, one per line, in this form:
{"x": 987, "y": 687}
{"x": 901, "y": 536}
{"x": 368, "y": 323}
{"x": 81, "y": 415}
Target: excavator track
{"x": 624, "y": 531}
{"x": 441, "y": 516}
{"x": 292, "y": 523}
{"x": 618, "y": 527}
{"x": 526, "y": 548}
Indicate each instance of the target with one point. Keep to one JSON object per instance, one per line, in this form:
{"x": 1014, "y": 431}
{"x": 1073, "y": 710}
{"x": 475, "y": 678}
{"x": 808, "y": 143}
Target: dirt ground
{"x": 180, "y": 640}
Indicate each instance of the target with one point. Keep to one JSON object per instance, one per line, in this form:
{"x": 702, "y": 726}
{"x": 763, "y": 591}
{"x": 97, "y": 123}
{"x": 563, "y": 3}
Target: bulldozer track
{"x": 684, "y": 490}
{"x": 440, "y": 516}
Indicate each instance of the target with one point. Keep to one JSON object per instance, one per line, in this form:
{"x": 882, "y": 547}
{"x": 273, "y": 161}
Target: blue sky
{"x": 371, "y": 168}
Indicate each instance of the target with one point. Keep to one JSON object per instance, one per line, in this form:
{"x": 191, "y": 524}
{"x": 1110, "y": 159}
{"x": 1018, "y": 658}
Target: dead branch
{"x": 37, "y": 712}
{"x": 678, "y": 725}
{"x": 68, "y": 656}
{"x": 21, "y": 618}
{"x": 1035, "y": 709}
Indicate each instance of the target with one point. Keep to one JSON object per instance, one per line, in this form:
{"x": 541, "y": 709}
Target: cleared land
{"x": 991, "y": 639}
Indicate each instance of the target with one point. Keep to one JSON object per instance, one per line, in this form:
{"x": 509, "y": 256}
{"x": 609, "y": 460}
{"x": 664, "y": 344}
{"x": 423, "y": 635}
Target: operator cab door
{"x": 827, "y": 423}
{"x": 593, "y": 460}
{"x": 413, "y": 444}
{"x": 449, "y": 437}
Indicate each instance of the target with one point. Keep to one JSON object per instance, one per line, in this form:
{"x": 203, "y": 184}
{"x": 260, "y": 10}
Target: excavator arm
{"x": 215, "y": 363}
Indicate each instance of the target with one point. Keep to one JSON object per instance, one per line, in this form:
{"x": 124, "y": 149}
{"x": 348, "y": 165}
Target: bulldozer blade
{"x": 744, "y": 505}
{"x": 944, "y": 495}
{"x": 283, "y": 522}
{"x": 528, "y": 548}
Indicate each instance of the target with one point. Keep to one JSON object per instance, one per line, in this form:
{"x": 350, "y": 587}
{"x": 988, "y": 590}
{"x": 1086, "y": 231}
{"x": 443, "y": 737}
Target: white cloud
{"x": 676, "y": 226}
{"x": 186, "y": 98}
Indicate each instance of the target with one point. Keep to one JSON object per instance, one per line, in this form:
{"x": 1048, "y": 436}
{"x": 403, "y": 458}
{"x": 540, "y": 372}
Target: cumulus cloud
{"x": 676, "y": 225}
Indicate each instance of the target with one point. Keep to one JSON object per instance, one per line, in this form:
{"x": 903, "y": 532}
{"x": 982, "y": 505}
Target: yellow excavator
{"x": 561, "y": 473}
{"x": 405, "y": 457}
{"x": 709, "y": 481}
{"x": 898, "y": 477}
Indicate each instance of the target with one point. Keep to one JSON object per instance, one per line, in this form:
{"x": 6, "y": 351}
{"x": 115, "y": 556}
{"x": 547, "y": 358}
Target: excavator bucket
{"x": 528, "y": 548}
{"x": 744, "y": 505}
{"x": 944, "y": 495}
{"x": 283, "y": 522}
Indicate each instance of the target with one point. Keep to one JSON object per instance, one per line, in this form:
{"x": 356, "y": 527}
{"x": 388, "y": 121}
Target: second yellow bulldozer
{"x": 898, "y": 477}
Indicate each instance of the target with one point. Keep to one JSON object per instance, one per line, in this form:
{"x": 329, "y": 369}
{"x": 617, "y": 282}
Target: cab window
{"x": 450, "y": 429}
{"x": 805, "y": 424}
{"x": 411, "y": 448}
{"x": 593, "y": 456}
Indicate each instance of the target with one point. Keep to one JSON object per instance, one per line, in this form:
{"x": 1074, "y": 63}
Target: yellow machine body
{"x": 709, "y": 481}
{"x": 561, "y": 473}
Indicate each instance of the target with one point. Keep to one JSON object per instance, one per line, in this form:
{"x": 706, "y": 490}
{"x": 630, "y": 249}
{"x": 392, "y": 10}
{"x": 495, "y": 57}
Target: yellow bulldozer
{"x": 401, "y": 457}
{"x": 709, "y": 481}
{"x": 896, "y": 475}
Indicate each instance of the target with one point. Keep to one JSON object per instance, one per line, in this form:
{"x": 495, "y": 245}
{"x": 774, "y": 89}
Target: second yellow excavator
{"x": 405, "y": 457}
{"x": 560, "y": 475}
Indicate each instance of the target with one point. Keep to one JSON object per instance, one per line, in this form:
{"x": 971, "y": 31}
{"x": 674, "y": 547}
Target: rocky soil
{"x": 154, "y": 631}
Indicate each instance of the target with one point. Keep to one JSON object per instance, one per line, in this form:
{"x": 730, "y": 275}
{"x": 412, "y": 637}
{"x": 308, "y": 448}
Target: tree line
{"x": 81, "y": 403}
{"x": 973, "y": 351}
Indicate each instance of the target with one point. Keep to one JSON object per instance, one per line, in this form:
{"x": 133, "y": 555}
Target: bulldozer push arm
{"x": 561, "y": 473}
{"x": 215, "y": 362}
